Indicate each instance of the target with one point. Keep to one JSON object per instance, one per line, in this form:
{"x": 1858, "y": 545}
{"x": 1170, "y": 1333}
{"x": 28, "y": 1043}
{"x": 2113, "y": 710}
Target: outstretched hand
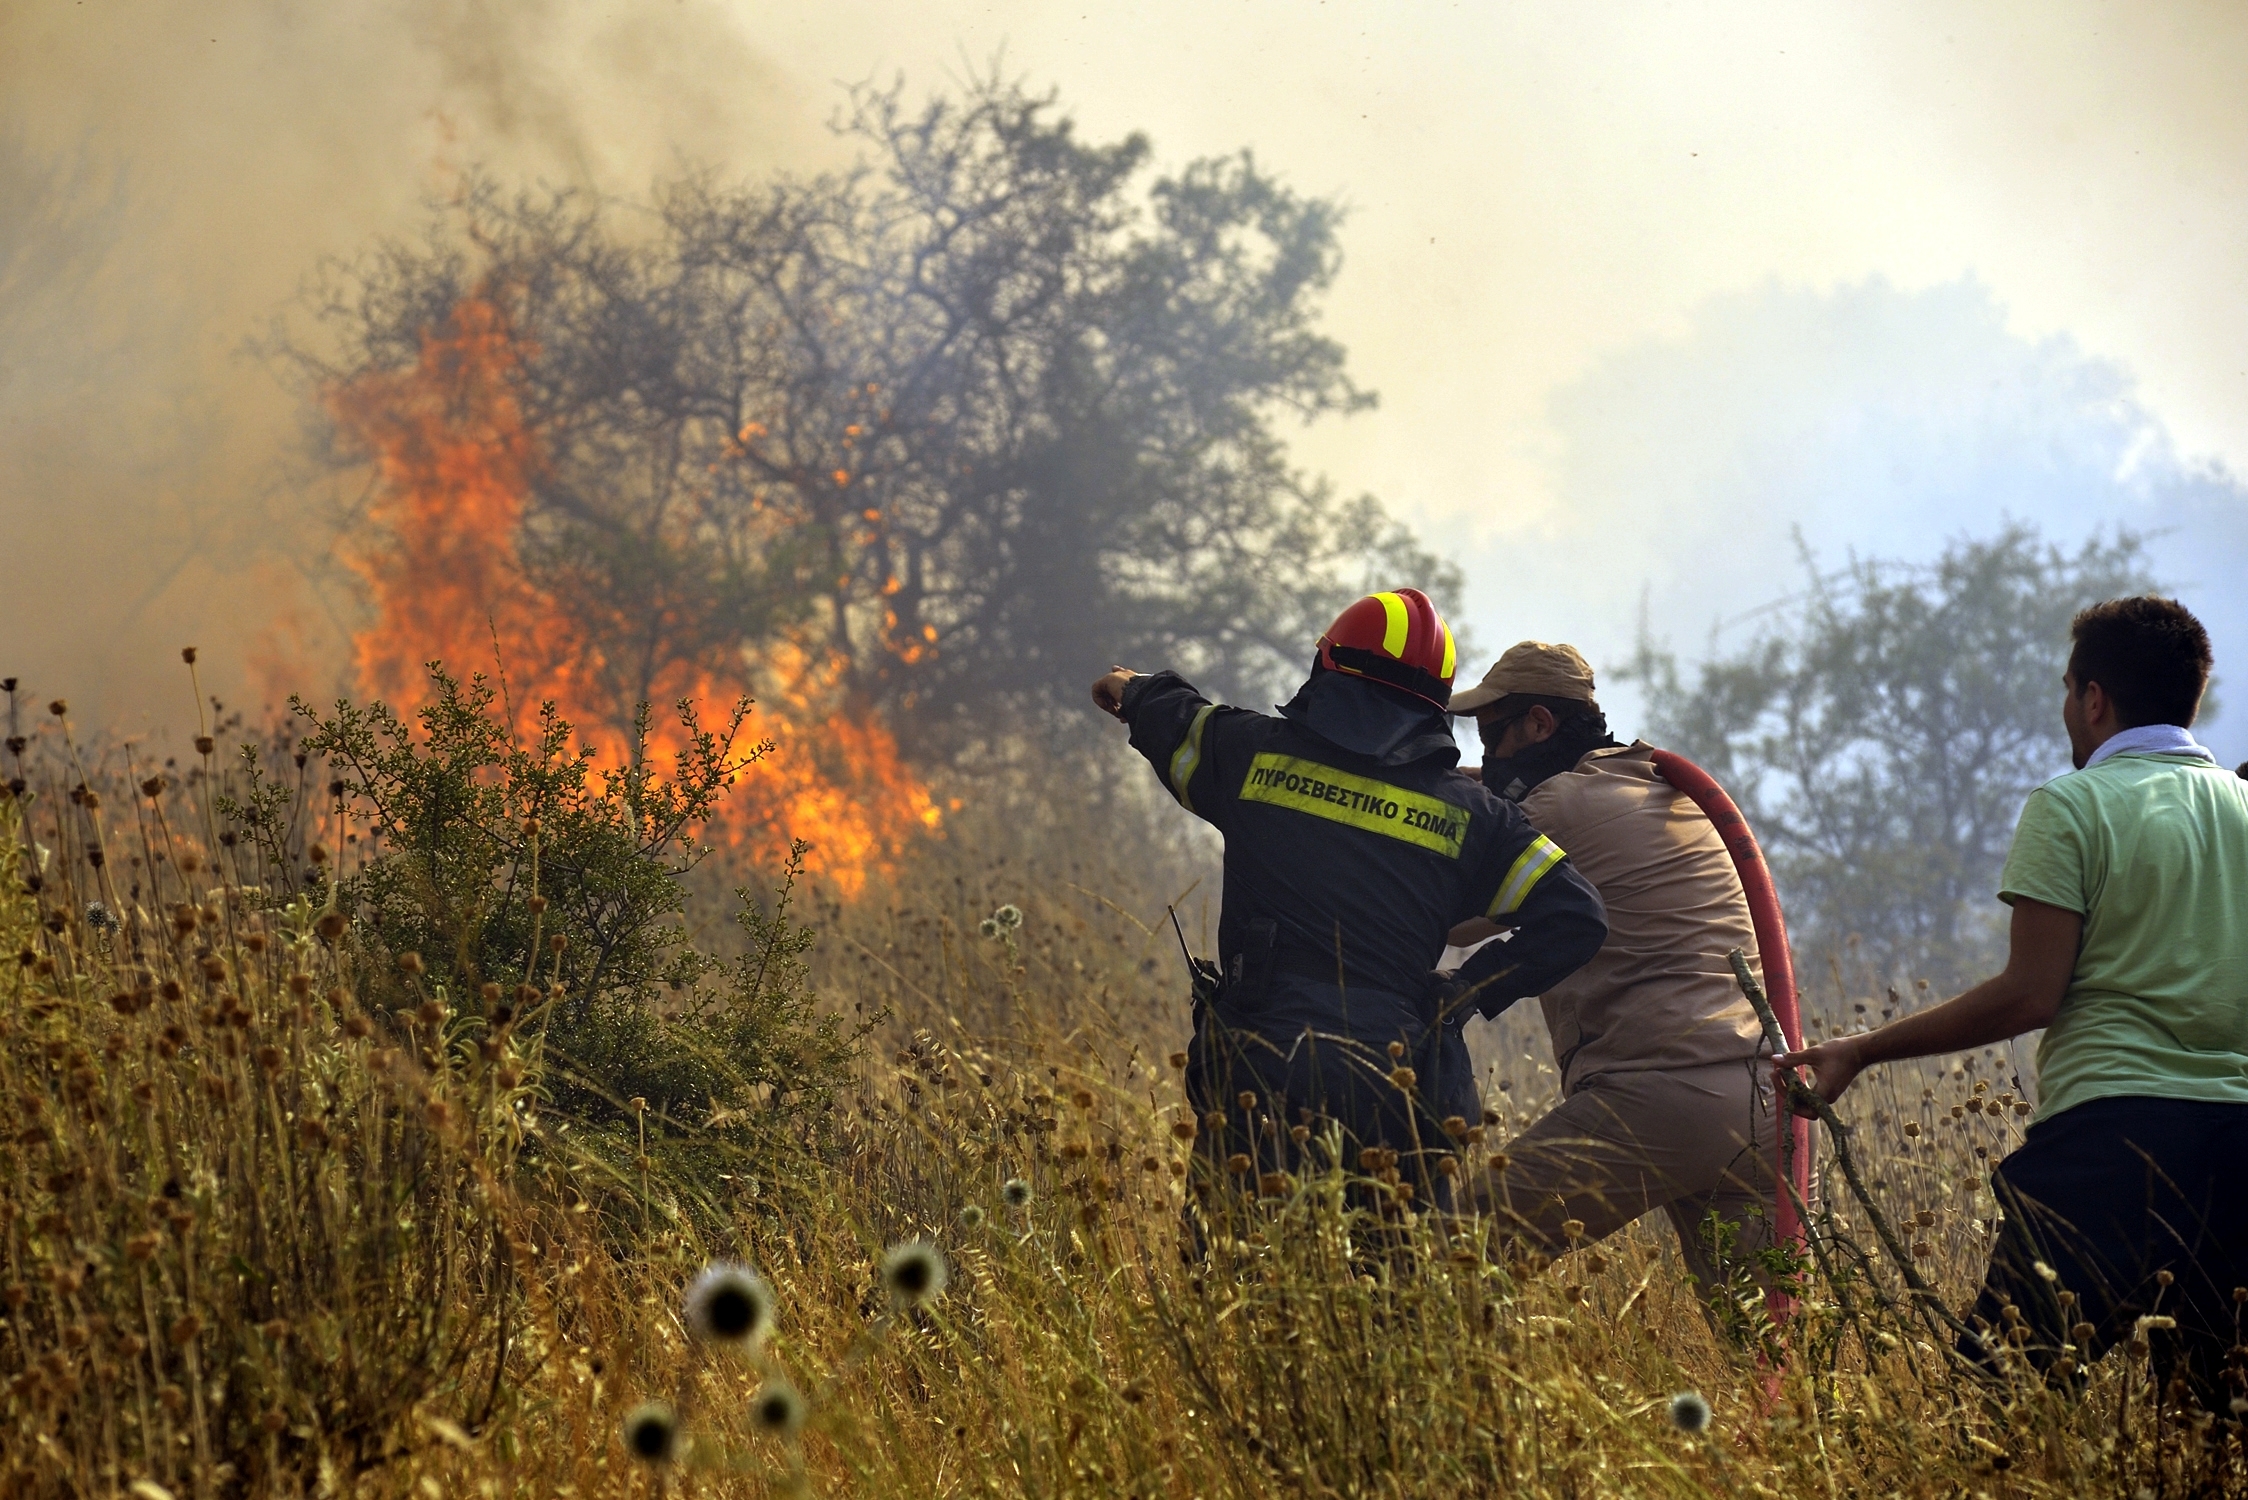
{"x": 1833, "y": 1065}
{"x": 1108, "y": 691}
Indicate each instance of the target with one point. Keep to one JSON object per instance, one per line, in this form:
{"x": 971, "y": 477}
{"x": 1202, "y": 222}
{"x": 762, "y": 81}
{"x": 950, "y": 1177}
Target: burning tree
{"x": 918, "y": 443}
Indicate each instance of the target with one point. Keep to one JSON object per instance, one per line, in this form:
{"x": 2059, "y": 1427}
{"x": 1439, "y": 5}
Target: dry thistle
{"x": 913, "y": 1273}
{"x": 777, "y": 1409}
{"x": 1015, "y": 1193}
{"x": 1689, "y": 1412}
{"x": 651, "y": 1432}
{"x": 731, "y": 1305}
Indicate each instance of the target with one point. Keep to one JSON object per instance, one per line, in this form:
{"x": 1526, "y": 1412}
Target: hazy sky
{"x": 1544, "y": 200}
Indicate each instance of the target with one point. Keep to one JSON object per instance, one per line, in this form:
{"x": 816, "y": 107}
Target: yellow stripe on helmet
{"x": 1451, "y": 654}
{"x": 1397, "y": 625}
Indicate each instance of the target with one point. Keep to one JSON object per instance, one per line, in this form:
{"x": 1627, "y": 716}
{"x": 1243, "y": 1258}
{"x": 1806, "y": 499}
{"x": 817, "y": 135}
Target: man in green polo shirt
{"x": 2129, "y": 884}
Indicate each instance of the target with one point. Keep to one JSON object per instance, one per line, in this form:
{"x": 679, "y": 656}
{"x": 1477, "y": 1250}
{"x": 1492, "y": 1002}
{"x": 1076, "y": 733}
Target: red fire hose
{"x": 1793, "y": 1168}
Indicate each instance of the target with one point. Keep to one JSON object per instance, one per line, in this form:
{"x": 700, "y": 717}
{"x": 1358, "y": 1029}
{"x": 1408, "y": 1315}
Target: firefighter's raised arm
{"x": 1172, "y": 726}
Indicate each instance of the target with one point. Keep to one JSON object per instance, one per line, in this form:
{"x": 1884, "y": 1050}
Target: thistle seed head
{"x": 1015, "y": 1193}
{"x": 1689, "y": 1412}
{"x": 777, "y": 1409}
{"x": 730, "y": 1304}
{"x": 913, "y": 1273}
{"x": 651, "y": 1432}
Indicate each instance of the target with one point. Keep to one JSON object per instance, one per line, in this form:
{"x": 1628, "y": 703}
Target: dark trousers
{"x": 2111, "y": 1197}
{"x": 1313, "y": 1054}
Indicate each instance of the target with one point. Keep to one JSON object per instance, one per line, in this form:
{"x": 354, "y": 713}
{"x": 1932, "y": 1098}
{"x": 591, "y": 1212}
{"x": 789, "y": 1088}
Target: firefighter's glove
{"x": 1449, "y": 997}
{"x": 1206, "y": 978}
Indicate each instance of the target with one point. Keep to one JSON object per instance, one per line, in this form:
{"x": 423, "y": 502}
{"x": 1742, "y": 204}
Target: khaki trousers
{"x": 1690, "y": 1141}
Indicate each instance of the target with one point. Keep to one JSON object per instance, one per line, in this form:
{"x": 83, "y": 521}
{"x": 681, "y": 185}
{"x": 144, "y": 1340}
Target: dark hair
{"x": 2151, "y": 655}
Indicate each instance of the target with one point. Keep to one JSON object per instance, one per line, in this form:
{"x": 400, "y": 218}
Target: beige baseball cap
{"x": 1530, "y": 667}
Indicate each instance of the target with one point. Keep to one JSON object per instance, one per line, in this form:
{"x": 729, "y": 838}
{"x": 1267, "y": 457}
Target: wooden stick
{"x": 1809, "y": 1100}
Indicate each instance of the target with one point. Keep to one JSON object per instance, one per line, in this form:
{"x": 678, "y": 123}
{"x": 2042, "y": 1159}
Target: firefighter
{"x": 1352, "y": 845}
{"x": 1666, "y": 1092}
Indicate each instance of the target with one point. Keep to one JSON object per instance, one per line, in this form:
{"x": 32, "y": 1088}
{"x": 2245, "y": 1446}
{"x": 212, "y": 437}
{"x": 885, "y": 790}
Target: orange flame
{"x": 454, "y": 462}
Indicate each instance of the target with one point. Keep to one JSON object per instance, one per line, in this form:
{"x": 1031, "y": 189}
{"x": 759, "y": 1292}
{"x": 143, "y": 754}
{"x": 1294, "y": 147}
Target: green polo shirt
{"x": 2153, "y": 851}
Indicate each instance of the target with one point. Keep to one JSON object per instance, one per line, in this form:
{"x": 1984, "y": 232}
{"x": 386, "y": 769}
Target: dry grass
{"x": 258, "y": 1242}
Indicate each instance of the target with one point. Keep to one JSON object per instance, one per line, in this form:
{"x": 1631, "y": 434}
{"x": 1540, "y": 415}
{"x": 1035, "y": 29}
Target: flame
{"x": 454, "y": 462}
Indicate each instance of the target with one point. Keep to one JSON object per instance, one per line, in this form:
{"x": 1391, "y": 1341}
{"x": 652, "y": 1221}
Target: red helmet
{"x": 1397, "y": 638}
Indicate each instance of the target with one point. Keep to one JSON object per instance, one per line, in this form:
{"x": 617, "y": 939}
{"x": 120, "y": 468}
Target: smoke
{"x": 1694, "y": 472}
{"x": 171, "y": 174}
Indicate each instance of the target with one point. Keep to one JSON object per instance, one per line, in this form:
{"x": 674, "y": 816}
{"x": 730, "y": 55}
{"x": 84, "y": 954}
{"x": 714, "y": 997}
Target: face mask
{"x": 1502, "y": 776}
{"x": 1516, "y": 776}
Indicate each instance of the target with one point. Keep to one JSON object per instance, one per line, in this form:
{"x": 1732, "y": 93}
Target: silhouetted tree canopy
{"x": 1883, "y": 730}
{"x": 992, "y": 410}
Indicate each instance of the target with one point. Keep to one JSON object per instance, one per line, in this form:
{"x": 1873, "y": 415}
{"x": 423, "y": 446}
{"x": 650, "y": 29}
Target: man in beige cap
{"x": 1665, "y": 1103}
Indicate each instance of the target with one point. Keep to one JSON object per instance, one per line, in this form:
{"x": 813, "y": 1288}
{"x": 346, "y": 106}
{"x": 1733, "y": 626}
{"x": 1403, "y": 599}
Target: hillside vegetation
{"x": 343, "y": 1159}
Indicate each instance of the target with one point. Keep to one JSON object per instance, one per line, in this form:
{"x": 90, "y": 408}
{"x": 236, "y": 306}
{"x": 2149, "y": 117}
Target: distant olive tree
{"x": 991, "y": 410}
{"x": 1883, "y": 730}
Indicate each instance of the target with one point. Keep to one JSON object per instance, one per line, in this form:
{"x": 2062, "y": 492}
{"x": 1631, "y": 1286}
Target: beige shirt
{"x": 1660, "y": 993}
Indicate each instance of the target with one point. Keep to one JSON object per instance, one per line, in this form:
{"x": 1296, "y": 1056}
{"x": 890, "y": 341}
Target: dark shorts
{"x": 2108, "y": 1196}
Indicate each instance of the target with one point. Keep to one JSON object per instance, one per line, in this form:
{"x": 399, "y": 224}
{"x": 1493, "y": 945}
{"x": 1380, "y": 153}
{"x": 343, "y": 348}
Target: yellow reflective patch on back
{"x": 1306, "y": 786}
{"x": 1397, "y": 624}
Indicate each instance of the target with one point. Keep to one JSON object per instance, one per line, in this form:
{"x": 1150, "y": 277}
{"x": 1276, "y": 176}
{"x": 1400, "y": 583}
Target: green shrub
{"x": 516, "y": 881}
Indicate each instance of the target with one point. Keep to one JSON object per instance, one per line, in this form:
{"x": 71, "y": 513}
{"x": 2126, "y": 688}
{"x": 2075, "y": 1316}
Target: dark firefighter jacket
{"x": 1348, "y": 827}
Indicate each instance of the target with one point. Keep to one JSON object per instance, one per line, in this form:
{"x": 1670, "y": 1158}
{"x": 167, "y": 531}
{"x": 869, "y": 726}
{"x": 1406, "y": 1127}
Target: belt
{"x": 1326, "y": 968}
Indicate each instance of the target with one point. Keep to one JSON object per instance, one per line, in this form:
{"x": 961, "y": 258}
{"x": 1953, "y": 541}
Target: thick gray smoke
{"x": 171, "y": 173}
